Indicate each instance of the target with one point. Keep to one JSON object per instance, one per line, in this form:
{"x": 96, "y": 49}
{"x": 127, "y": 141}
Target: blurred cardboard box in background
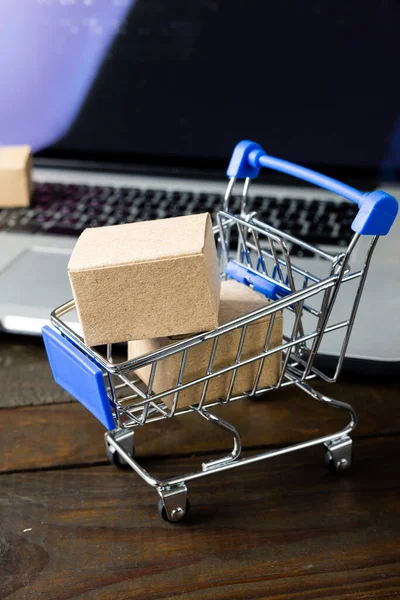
{"x": 15, "y": 176}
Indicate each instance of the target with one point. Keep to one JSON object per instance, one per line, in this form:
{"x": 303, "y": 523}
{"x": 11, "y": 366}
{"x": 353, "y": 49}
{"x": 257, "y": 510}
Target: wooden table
{"x": 74, "y": 527}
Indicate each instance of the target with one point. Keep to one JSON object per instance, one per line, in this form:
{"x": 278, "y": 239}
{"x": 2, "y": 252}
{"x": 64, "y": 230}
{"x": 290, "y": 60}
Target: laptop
{"x": 133, "y": 107}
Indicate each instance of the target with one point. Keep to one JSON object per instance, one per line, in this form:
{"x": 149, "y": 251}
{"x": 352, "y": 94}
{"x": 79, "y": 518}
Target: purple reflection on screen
{"x": 50, "y": 53}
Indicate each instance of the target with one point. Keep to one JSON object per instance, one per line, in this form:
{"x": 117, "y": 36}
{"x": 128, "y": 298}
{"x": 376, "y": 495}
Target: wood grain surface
{"x": 67, "y": 434}
{"x": 287, "y": 530}
{"x": 73, "y": 527}
{"x": 25, "y": 373}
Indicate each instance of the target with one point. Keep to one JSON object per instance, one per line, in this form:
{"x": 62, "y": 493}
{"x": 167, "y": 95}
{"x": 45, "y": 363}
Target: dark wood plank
{"x": 284, "y": 530}
{"x": 66, "y": 434}
{"x": 49, "y": 436}
{"x": 25, "y": 377}
{"x": 26, "y": 380}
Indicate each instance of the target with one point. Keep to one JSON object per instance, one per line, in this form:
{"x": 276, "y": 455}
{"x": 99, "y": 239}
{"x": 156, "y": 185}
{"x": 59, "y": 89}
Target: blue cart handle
{"x": 378, "y": 209}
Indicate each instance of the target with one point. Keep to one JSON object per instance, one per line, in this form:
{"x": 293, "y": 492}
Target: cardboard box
{"x": 145, "y": 280}
{"x": 236, "y": 300}
{"x": 15, "y": 176}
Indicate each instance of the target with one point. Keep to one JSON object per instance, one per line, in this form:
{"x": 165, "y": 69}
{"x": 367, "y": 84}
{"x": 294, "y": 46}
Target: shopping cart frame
{"x": 282, "y": 286}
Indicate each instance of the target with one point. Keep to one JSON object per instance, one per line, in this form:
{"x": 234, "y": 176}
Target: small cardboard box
{"x": 15, "y": 176}
{"x": 236, "y": 301}
{"x": 145, "y": 280}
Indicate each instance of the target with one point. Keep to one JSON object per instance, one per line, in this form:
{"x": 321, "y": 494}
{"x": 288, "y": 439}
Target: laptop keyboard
{"x": 68, "y": 209}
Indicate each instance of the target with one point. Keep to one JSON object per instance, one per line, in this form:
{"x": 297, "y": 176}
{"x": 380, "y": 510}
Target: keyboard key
{"x": 262, "y": 202}
{"x": 315, "y": 239}
{"x": 111, "y": 221}
{"x": 64, "y": 230}
{"x": 125, "y": 191}
{"x": 44, "y": 199}
{"x": 324, "y": 228}
{"x": 26, "y": 228}
{"x": 294, "y": 229}
{"x": 60, "y": 209}
{"x": 99, "y": 222}
{"x": 345, "y": 230}
{"x": 301, "y": 252}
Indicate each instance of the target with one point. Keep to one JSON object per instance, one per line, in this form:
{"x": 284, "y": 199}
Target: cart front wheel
{"x": 177, "y": 514}
{"x": 115, "y": 459}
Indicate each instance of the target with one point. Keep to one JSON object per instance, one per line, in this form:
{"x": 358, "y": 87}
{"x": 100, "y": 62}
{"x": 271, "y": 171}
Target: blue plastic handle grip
{"x": 378, "y": 209}
{"x": 78, "y": 375}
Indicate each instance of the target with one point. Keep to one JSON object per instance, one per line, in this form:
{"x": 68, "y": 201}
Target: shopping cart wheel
{"x": 338, "y": 454}
{"x": 178, "y": 513}
{"x": 126, "y": 441}
{"x": 173, "y": 505}
{"x": 115, "y": 459}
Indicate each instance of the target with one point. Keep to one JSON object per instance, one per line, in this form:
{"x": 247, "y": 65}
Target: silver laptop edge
{"x": 33, "y": 268}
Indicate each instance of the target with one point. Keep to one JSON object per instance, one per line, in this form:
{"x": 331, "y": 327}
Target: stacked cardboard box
{"x": 148, "y": 282}
{"x": 146, "y": 279}
{"x": 236, "y": 300}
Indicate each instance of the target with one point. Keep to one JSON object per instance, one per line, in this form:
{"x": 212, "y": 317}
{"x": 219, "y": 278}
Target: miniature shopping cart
{"x": 258, "y": 255}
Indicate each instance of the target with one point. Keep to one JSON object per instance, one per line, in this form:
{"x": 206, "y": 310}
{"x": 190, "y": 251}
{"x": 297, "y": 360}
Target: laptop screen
{"x": 181, "y": 82}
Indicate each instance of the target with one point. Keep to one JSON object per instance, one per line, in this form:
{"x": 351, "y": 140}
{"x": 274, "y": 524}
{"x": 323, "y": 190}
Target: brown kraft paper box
{"x": 15, "y": 176}
{"x": 146, "y": 280}
{"x": 236, "y": 300}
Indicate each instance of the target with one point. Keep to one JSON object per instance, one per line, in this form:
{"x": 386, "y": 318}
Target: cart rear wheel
{"x": 339, "y": 467}
{"x": 115, "y": 459}
{"x": 338, "y": 455}
{"x": 178, "y": 515}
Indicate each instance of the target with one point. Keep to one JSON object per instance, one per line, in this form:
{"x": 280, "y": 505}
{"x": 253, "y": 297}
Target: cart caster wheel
{"x": 177, "y": 514}
{"x": 339, "y": 467}
{"x": 338, "y": 455}
{"x": 115, "y": 459}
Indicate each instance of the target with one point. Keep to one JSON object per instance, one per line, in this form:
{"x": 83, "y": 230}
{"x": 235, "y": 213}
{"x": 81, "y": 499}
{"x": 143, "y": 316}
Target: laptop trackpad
{"x": 38, "y": 278}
